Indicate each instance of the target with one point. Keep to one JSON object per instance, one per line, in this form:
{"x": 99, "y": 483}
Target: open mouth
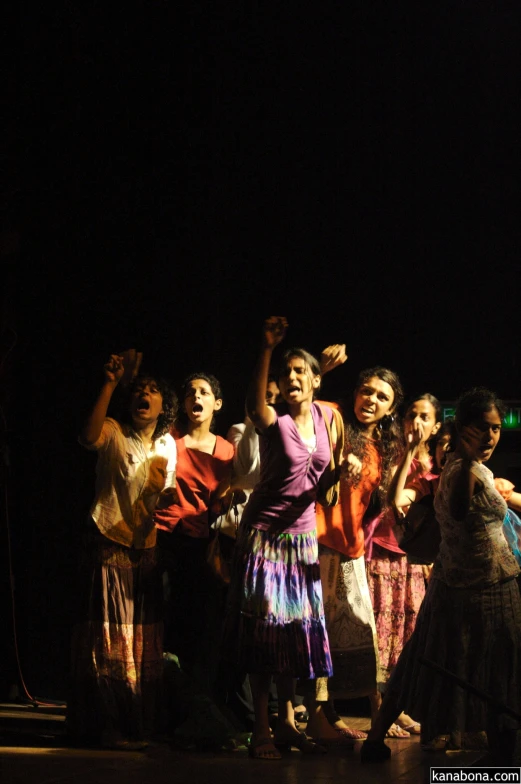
{"x": 143, "y": 405}
{"x": 293, "y": 389}
{"x": 197, "y": 408}
{"x": 369, "y": 411}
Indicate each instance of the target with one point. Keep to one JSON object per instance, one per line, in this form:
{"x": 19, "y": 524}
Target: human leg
{"x": 262, "y": 746}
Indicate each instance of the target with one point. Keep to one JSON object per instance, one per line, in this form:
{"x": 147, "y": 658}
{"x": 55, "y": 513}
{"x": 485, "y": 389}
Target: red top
{"x": 198, "y": 477}
{"x": 340, "y": 527}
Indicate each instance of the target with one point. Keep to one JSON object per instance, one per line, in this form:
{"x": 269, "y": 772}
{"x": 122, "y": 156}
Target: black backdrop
{"x": 177, "y": 172}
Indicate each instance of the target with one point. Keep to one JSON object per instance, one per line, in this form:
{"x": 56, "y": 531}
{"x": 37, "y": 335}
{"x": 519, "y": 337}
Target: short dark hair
{"x": 170, "y": 402}
{"x": 475, "y": 402}
{"x": 215, "y": 386}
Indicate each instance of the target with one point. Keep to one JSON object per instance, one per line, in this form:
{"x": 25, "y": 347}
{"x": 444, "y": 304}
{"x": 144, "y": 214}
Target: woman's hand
{"x": 114, "y": 368}
{"x": 470, "y": 438}
{"x": 416, "y": 437}
{"x": 274, "y": 330}
{"x": 332, "y": 357}
{"x": 352, "y": 466}
{"x": 131, "y": 362}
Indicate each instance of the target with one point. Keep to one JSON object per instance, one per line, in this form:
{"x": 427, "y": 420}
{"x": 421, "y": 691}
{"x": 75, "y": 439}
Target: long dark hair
{"x": 389, "y": 440}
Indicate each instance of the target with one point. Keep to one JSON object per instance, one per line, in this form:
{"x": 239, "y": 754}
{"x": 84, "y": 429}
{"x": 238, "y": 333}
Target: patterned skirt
{"x": 350, "y": 626}
{"x": 275, "y": 616}
{"x": 397, "y": 588}
{"x": 475, "y": 634}
{"x": 117, "y": 656}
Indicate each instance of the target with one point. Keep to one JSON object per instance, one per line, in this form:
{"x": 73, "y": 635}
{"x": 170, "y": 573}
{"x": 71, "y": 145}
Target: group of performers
{"x": 322, "y": 599}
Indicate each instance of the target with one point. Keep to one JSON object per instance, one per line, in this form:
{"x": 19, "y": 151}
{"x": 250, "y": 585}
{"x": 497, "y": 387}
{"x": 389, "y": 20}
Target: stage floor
{"x": 33, "y": 751}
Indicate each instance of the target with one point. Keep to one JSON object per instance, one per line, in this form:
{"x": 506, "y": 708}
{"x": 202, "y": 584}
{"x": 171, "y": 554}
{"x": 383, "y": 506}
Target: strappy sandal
{"x": 395, "y": 732}
{"x": 408, "y": 724}
{"x": 300, "y": 741}
{"x": 263, "y": 749}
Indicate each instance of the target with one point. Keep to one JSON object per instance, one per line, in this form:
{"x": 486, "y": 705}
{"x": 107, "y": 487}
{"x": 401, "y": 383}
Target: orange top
{"x": 340, "y": 527}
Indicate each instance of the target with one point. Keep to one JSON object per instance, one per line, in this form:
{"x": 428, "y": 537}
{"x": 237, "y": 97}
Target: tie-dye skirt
{"x": 275, "y": 616}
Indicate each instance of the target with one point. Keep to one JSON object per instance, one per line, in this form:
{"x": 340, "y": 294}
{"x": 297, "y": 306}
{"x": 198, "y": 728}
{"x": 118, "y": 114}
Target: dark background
{"x": 177, "y": 172}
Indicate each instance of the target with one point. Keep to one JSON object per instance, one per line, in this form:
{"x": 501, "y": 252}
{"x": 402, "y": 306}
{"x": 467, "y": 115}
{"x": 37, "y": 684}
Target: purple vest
{"x": 287, "y": 489}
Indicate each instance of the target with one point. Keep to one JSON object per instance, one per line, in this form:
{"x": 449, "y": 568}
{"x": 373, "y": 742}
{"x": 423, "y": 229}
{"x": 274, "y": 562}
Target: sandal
{"x": 397, "y": 733}
{"x": 374, "y": 751}
{"x": 349, "y": 732}
{"x": 263, "y": 749}
{"x": 408, "y": 724}
{"x": 300, "y": 741}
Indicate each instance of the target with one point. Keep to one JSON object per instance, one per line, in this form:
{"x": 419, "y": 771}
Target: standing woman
{"x": 117, "y": 651}
{"x": 470, "y": 621}
{"x": 204, "y": 466}
{"x": 373, "y": 441}
{"x": 396, "y": 583}
{"x": 275, "y": 622}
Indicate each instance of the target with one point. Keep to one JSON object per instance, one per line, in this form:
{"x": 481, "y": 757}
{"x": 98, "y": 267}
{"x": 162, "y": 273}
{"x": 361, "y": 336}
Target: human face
{"x": 373, "y": 400}
{"x": 146, "y": 405}
{"x": 440, "y": 453}
{"x": 421, "y": 414}
{"x": 297, "y": 383}
{"x": 200, "y": 402}
{"x": 482, "y": 435}
{"x": 272, "y": 393}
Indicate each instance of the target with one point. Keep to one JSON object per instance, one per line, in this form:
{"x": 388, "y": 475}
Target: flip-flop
{"x": 396, "y": 732}
{"x": 409, "y": 725}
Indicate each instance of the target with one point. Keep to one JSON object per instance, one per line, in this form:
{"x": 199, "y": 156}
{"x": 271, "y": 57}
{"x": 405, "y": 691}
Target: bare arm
{"x": 114, "y": 370}
{"x": 514, "y": 502}
{"x": 466, "y": 484}
{"x": 398, "y": 496}
{"x": 257, "y": 409}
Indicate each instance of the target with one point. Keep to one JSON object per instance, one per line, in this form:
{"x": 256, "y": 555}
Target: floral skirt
{"x": 397, "y": 588}
{"x": 350, "y": 626}
{"x": 117, "y": 656}
{"x": 475, "y": 634}
{"x": 275, "y": 616}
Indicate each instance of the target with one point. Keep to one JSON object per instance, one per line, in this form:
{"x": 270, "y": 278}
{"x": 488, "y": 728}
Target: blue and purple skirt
{"x": 275, "y": 616}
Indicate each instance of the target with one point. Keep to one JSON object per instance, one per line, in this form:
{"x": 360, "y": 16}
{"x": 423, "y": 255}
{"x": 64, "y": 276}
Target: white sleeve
{"x": 170, "y": 480}
{"x": 246, "y": 460}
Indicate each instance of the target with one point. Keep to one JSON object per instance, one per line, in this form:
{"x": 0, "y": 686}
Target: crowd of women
{"x": 308, "y": 503}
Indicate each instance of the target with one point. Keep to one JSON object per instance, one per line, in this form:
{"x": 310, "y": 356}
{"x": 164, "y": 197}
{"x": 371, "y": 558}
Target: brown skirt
{"x": 117, "y": 642}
